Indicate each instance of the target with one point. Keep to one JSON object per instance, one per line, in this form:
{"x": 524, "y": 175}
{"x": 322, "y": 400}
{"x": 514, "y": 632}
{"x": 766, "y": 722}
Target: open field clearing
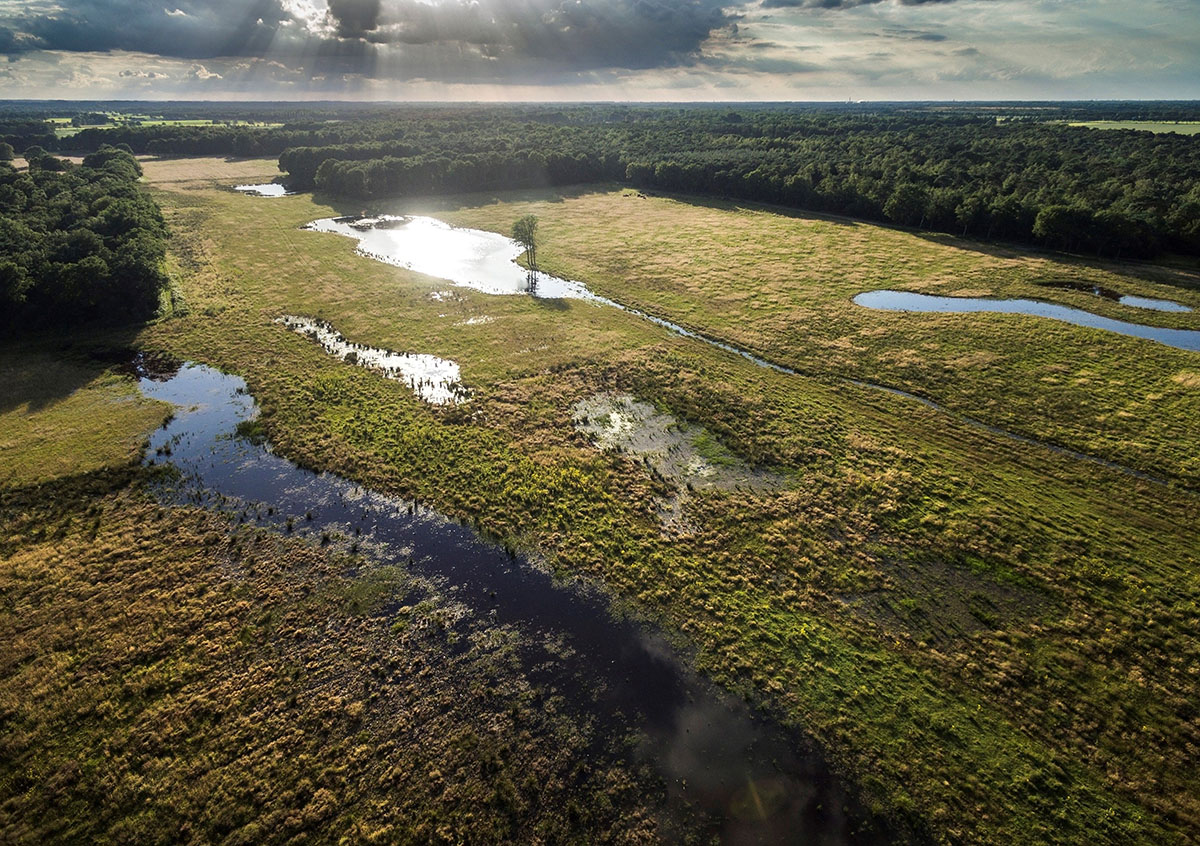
{"x": 63, "y": 128}
{"x": 1179, "y": 127}
{"x": 992, "y": 641}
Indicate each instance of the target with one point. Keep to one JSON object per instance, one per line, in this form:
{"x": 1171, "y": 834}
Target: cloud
{"x": 202, "y": 73}
{"x": 601, "y": 49}
{"x": 368, "y": 36}
{"x": 12, "y": 43}
{"x": 354, "y": 17}
{"x": 191, "y": 30}
{"x": 570, "y": 35}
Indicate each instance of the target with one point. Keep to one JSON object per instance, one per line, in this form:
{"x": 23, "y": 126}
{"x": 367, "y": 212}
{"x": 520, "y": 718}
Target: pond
{"x": 471, "y": 258}
{"x": 1183, "y": 339}
{"x": 1117, "y": 297}
{"x": 264, "y": 189}
{"x": 435, "y": 380}
{"x": 754, "y": 781}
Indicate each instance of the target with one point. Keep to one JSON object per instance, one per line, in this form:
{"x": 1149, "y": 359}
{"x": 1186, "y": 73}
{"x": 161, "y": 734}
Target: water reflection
{"x": 1183, "y": 339}
{"x": 1117, "y": 297}
{"x": 748, "y": 779}
{"x": 435, "y": 380}
{"x": 471, "y": 258}
{"x": 265, "y": 189}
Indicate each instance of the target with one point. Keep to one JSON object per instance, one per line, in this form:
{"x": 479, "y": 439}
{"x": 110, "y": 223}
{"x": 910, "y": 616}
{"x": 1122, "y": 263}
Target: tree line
{"x": 1114, "y": 193}
{"x": 1007, "y": 171}
{"x": 79, "y": 244}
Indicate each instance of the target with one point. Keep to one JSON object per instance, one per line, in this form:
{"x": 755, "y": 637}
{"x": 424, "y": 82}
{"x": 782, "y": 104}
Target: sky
{"x": 579, "y": 50}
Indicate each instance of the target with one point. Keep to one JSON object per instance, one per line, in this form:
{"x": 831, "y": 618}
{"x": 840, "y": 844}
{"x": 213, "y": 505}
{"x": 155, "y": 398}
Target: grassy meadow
{"x": 1180, "y": 127}
{"x": 66, "y": 417}
{"x": 993, "y": 641}
{"x": 781, "y": 286}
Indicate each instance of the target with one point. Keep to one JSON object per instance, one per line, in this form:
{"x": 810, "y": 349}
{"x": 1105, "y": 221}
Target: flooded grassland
{"x": 782, "y": 286}
{"x": 990, "y": 639}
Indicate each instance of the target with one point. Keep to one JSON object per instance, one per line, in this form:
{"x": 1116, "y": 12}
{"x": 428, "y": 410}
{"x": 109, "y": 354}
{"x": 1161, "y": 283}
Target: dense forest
{"x": 1015, "y": 172}
{"x": 78, "y": 243}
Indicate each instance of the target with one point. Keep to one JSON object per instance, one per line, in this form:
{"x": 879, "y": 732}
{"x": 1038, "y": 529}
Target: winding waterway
{"x": 753, "y": 781}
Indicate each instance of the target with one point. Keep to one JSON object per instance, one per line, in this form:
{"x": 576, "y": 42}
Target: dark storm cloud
{"x": 353, "y": 37}
{"x": 11, "y": 45}
{"x": 591, "y": 34}
{"x": 355, "y": 17}
{"x": 188, "y": 29}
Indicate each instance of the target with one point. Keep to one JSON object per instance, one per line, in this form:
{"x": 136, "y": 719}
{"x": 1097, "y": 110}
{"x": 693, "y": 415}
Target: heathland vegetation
{"x": 994, "y": 641}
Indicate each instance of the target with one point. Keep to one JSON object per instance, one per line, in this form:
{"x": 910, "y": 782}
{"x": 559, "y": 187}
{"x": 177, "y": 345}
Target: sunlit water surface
{"x": 433, "y": 379}
{"x": 471, "y": 258}
{"x": 264, "y": 189}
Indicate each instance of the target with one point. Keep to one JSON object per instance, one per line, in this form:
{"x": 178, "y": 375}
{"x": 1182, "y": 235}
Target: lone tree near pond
{"x": 525, "y": 233}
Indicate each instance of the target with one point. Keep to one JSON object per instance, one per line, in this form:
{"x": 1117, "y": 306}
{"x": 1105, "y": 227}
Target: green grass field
{"x": 781, "y": 285}
{"x": 995, "y": 642}
{"x": 64, "y": 129}
{"x": 62, "y": 417}
{"x": 1181, "y": 127}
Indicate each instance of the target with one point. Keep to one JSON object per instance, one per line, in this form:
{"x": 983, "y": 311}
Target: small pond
{"x": 433, "y": 379}
{"x": 1184, "y": 339}
{"x": 1117, "y": 297}
{"x": 711, "y": 751}
{"x": 472, "y": 258}
{"x": 264, "y": 189}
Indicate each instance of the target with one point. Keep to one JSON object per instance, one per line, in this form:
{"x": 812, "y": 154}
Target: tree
{"x": 907, "y": 204}
{"x": 525, "y": 233}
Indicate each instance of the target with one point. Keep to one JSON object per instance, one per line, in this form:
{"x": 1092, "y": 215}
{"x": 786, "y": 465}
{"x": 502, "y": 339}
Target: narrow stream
{"x": 486, "y": 262}
{"x": 749, "y": 779}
